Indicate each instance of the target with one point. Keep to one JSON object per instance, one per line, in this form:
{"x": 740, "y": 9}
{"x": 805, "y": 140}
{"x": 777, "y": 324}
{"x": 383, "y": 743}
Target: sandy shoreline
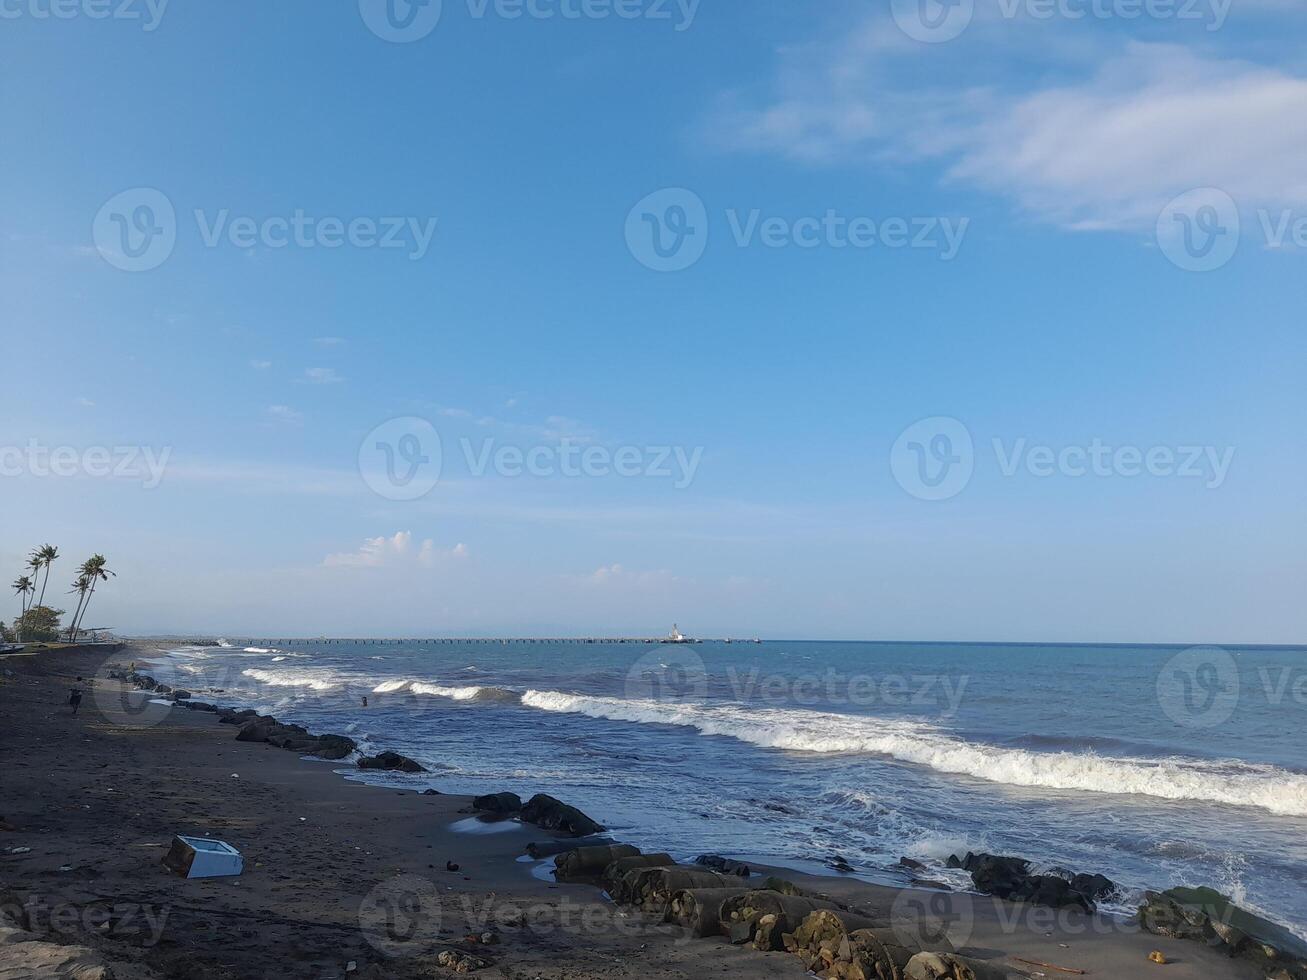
{"x": 329, "y": 861}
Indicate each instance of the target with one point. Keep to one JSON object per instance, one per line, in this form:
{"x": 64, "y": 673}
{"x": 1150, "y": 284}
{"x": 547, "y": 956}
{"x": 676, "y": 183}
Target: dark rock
{"x": 162, "y": 689}
{"x": 390, "y": 761}
{"x": 256, "y": 730}
{"x": 181, "y": 695}
{"x": 953, "y": 861}
{"x": 230, "y": 716}
{"x": 430, "y": 792}
{"x": 910, "y": 864}
{"x": 551, "y": 814}
{"x": 334, "y": 747}
{"x": 1094, "y": 887}
{"x": 548, "y": 848}
{"x": 1010, "y": 878}
{"x": 725, "y": 865}
{"x": 498, "y": 803}
{"x": 1205, "y": 915}
{"x": 836, "y": 863}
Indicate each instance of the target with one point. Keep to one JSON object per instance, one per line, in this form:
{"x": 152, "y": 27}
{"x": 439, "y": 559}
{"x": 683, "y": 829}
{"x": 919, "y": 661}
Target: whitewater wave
{"x": 314, "y": 680}
{"x": 457, "y": 693}
{"x": 260, "y": 650}
{"x": 1229, "y": 782}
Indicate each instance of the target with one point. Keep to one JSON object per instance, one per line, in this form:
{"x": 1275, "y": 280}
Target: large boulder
{"x": 498, "y": 803}
{"x": 334, "y": 747}
{"x": 551, "y": 814}
{"x": 390, "y": 761}
{"x": 1009, "y": 878}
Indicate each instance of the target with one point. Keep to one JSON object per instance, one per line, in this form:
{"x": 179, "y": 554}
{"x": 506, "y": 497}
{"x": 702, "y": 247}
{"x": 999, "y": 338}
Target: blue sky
{"x": 786, "y": 363}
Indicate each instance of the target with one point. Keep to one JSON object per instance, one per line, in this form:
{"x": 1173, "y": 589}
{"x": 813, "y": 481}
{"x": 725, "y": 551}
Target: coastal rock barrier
{"x": 254, "y": 727}
{"x": 1206, "y": 916}
{"x": 1010, "y": 878}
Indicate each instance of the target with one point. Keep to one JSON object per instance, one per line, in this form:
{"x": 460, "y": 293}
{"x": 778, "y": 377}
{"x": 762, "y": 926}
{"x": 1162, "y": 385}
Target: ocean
{"x": 1157, "y": 766}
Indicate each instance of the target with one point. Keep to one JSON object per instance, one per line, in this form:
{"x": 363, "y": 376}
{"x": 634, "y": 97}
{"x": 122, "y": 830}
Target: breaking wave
{"x": 314, "y": 680}
{"x": 459, "y": 693}
{"x": 1227, "y": 782}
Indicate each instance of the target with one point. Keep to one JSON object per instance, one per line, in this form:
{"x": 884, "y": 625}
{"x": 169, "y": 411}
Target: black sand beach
{"x": 344, "y": 879}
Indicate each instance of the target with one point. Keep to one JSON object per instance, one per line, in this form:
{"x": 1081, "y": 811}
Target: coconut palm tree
{"x": 24, "y": 586}
{"x": 94, "y": 571}
{"x": 47, "y": 553}
{"x": 81, "y": 586}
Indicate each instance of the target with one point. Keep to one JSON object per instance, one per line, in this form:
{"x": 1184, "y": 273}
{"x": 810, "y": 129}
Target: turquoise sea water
{"x": 1154, "y": 765}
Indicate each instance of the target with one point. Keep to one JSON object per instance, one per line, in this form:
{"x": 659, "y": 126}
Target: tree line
{"x": 39, "y": 622}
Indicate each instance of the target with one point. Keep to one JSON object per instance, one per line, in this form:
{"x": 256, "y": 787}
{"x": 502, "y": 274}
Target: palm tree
{"x": 81, "y": 586}
{"x": 47, "y": 553}
{"x": 24, "y": 586}
{"x": 94, "y": 571}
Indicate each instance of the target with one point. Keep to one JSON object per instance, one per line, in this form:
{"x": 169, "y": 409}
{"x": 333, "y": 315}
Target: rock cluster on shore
{"x": 831, "y": 940}
{"x": 542, "y": 810}
{"x": 254, "y": 727}
{"x": 1010, "y": 878}
{"x": 1207, "y": 916}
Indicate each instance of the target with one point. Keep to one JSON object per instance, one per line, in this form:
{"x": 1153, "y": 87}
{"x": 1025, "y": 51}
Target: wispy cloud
{"x": 329, "y": 341}
{"x": 260, "y": 365}
{"x": 1104, "y": 145}
{"x": 322, "y": 376}
{"x": 397, "y": 550}
{"x": 285, "y": 415}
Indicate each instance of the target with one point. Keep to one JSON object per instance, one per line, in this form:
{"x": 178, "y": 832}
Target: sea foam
{"x": 1233, "y": 783}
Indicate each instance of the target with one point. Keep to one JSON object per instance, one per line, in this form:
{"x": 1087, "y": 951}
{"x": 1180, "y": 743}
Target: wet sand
{"x": 338, "y": 873}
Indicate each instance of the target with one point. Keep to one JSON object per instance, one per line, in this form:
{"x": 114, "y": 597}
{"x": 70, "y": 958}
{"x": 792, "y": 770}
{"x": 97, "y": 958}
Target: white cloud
{"x": 1105, "y": 146}
{"x": 260, "y": 365}
{"x": 618, "y": 575}
{"x": 322, "y": 376}
{"x": 396, "y": 550}
{"x": 285, "y": 415}
{"x": 85, "y": 403}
